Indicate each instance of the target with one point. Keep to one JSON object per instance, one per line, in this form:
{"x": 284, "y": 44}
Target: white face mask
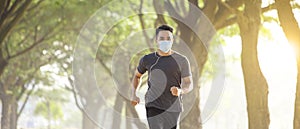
{"x": 165, "y": 46}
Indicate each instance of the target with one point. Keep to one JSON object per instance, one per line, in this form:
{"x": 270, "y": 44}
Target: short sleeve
{"x": 142, "y": 67}
{"x": 186, "y": 70}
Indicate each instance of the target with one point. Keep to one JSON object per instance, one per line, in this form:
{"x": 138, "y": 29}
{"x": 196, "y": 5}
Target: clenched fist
{"x": 175, "y": 91}
{"x": 135, "y": 100}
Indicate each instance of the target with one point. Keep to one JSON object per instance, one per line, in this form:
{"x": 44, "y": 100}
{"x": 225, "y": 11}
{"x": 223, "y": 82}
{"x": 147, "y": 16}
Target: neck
{"x": 159, "y": 52}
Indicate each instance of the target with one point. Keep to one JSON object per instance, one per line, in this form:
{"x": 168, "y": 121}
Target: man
{"x": 169, "y": 77}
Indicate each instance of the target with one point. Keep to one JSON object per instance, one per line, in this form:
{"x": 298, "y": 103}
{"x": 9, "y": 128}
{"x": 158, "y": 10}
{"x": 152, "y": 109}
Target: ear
{"x": 155, "y": 43}
{"x": 173, "y": 38}
{"x": 156, "y": 40}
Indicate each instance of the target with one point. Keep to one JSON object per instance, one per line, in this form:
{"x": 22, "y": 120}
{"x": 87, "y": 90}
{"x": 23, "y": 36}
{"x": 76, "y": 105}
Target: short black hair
{"x": 164, "y": 28}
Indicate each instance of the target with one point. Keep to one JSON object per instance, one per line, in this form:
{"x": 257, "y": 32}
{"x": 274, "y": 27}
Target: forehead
{"x": 164, "y": 33}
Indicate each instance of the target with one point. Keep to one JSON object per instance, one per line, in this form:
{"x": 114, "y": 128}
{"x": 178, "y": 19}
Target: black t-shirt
{"x": 163, "y": 73}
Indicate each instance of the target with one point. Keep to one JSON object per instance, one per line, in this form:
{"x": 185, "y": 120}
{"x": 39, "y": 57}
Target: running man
{"x": 169, "y": 77}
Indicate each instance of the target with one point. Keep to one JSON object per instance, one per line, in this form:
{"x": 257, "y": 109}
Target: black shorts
{"x": 161, "y": 119}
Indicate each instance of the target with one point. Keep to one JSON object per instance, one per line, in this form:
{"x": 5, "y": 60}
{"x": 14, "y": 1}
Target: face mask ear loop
{"x": 158, "y": 57}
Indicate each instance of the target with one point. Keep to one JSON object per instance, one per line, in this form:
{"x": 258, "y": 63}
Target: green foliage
{"x": 212, "y": 65}
{"x": 265, "y": 32}
{"x": 49, "y": 108}
{"x": 267, "y": 18}
{"x": 50, "y": 104}
{"x": 230, "y": 31}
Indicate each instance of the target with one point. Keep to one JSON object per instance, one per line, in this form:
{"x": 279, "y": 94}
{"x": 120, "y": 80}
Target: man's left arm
{"x": 186, "y": 86}
{"x": 186, "y": 82}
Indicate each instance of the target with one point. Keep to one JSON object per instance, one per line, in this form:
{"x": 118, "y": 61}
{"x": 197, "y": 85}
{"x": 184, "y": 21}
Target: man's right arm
{"x": 135, "y": 83}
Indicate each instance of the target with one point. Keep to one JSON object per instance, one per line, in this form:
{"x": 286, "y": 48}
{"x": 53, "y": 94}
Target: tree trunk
{"x": 13, "y": 115}
{"x": 6, "y": 114}
{"x": 48, "y": 113}
{"x": 193, "y": 119}
{"x": 201, "y": 54}
{"x": 9, "y": 112}
{"x": 297, "y": 101}
{"x": 255, "y": 83}
{"x": 292, "y": 32}
{"x": 3, "y": 62}
{"x": 131, "y": 110}
{"x": 118, "y": 106}
{"x": 128, "y": 122}
{"x": 92, "y": 112}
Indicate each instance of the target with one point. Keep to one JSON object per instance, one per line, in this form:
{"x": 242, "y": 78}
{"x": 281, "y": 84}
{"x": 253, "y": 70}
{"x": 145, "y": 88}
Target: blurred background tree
{"x": 291, "y": 29}
{"x": 49, "y": 107}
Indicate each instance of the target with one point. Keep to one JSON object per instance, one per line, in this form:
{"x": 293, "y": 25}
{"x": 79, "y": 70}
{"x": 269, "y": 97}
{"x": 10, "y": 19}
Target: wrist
{"x": 179, "y": 90}
{"x": 133, "y": 95}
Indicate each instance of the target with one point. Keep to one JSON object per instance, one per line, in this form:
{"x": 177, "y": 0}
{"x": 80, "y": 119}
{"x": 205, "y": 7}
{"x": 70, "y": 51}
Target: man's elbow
{"x": 191, "y": 87}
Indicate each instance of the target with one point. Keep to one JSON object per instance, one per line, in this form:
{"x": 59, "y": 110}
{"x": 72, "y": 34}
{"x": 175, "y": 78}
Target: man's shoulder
{"x": 150, "y": 55}
{"x": 179, "y": 55}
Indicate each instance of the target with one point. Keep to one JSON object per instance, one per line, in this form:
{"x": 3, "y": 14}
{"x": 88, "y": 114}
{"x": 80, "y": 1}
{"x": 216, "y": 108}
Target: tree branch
{"x": 2, "y": 90}
{"x": 226, "y": 9}
{"x": 194, "y": 2}
{"x": 25, "y": 102}
{"x": 268, "y": 8}
{"x": 37, "y": 68}
{"x": 37, "y": 42}
{"x": 191, "y": 14}
{"x": 13, "y": 7}
{"x": 7, "y": 11}
{"x": 36, "y": 5}
{"x": 6, "y": 29}
{"x": 7, "y": 5}
{"x": 232, "y": 10}
{"x": 273, "y": 6}
{"x": 140, "y": 15}
{"x": 27, "y": 49}
{"x": 210, "y": 9}
{"x": 104, "y": 65}
{"x": 79, "y": 107}
{"x": 2, "y": 7}
{"x": 296, "y": 6}
{"x": 226, "y": 23}
{"x": 183, "y": 7}
{"x": 3, "y": 61}
{"x": 23, "y": 40}
{"x": 159, "y": 11}
{"x": 14, "y": 87}
{"x": 178, "y": 7}
{"x": 171, "y": 10}
{"x": 30, "y": 91}
{"x": 143, "y": 25}
{"x": 6, "y": 49}
{"x": 4, "y": 4}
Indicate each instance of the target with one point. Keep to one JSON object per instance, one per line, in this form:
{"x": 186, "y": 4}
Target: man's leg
{"x": 170, "y": 119}
{"x": 154, "y": 118}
